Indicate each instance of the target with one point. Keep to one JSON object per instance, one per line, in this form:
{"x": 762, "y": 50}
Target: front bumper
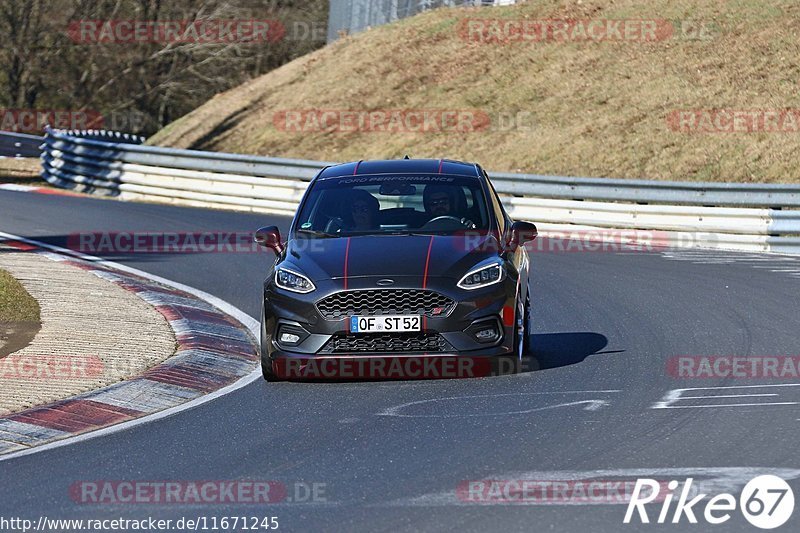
{"x": 282, "y": 309}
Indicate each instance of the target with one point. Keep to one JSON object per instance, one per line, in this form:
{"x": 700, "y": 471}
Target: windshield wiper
{"x": 317, "y": 233}
{"x": 419, "y": 232}
{"x": 412, "y": 233}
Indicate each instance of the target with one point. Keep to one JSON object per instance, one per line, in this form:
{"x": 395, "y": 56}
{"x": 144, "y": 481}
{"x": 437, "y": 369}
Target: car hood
{"x": 389, "y": 255}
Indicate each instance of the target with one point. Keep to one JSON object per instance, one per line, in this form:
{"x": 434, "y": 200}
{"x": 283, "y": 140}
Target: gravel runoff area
{"x": 93, "y": 333}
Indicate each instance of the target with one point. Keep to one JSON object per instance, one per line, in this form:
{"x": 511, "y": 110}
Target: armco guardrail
{"x": 759, "y": 217}
{"x": 19, "y": 144}
{"x": 721, "y": 194}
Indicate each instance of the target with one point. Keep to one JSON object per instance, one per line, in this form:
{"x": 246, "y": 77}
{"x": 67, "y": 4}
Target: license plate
{"x": 376, "y": 324}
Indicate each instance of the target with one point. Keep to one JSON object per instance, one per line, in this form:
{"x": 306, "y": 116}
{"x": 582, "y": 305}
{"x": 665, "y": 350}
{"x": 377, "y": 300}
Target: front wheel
{"x": 525, "y": 358}
{"x": 526, "y": 329}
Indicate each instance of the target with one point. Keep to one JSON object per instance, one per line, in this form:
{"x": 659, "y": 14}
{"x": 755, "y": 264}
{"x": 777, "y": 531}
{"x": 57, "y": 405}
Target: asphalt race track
{"x": 391, "y": 454}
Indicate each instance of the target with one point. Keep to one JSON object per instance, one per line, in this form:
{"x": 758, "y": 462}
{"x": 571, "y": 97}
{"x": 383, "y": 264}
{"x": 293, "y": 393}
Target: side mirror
{"x": 269, "y": 237}
{"x": 522, "y": 232}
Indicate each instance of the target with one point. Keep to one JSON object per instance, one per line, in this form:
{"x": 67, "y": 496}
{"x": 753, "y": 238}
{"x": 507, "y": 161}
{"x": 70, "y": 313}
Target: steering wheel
{"x": 334, "y": 225}
{"x": 461, "y": 221}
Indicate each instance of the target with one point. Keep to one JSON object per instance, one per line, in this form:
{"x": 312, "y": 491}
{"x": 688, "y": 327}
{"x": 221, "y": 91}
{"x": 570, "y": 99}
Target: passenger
{"x": 364, "y": 209}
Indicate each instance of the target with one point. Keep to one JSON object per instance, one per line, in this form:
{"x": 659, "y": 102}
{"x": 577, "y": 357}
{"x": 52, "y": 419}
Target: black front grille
{"x": 387, "y": 342}
{"x": 384, "y": 302}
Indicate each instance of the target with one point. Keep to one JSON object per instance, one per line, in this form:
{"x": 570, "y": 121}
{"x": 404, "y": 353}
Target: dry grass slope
{"x": 597, "y": 108}
{"x": 16, "y": 305}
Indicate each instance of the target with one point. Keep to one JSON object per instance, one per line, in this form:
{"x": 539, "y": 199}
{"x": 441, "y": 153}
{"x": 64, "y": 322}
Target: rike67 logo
{"x": 767, "y": 502}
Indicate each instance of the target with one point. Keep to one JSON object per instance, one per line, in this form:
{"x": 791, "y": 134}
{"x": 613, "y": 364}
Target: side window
{"x": 477, "y": 210}
{"x": 498, "y": 209}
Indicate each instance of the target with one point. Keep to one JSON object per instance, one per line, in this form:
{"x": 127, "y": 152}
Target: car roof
{"x": 401, "y": 166}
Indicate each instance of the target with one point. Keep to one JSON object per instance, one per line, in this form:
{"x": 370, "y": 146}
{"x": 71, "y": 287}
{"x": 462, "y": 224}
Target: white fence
{"x": 754, "y": 217}
{"x": 353, "y": 16}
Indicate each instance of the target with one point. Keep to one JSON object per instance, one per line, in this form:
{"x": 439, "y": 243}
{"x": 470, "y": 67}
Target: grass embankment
{"x": 595, "y": 108}
{"x": 19, "y": 315}
{"x": 16, "y": 305}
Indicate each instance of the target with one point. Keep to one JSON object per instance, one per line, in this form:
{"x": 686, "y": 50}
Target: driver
{"x": 443, "y": 201}
{"x": 438, "y": 201}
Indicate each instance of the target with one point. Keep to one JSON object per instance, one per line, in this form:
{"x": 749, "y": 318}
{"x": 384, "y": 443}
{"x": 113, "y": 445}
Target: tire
{"x": 532, "y": 361}
{"x": 266, "y": 371}
{"x": 526, "y": 359}
{"x": 266, "y": 362}
{"x": 526, "y": 330}
{"x": 519, "y": 337}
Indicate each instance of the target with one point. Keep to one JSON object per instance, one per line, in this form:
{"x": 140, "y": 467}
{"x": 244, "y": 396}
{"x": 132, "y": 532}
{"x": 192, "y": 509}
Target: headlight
{"x": 292, "y": 281}
{"x": 482, "y": 276}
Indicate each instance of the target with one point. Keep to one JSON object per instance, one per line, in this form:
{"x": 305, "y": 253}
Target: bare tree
{"x": 45, "y": 63}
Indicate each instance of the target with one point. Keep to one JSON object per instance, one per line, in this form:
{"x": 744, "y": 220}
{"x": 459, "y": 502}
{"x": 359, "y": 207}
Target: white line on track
{"x": 707, "y": 480}
{"x": 591, "y": 404}
{"x": 755, "y": 258}
{"x": 728, "y": 405}
{"x": 250, "y": 322}
{"x": 676, "y": 395}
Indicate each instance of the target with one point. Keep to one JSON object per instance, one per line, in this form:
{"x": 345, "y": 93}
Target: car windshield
{"x": 366, "y": 205}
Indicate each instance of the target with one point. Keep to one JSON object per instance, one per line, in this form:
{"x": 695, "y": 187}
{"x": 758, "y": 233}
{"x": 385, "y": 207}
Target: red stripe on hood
{"x": 427, "y": 263}
{"x": 346, "y": 259}
{"x": 425, "y": 281}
